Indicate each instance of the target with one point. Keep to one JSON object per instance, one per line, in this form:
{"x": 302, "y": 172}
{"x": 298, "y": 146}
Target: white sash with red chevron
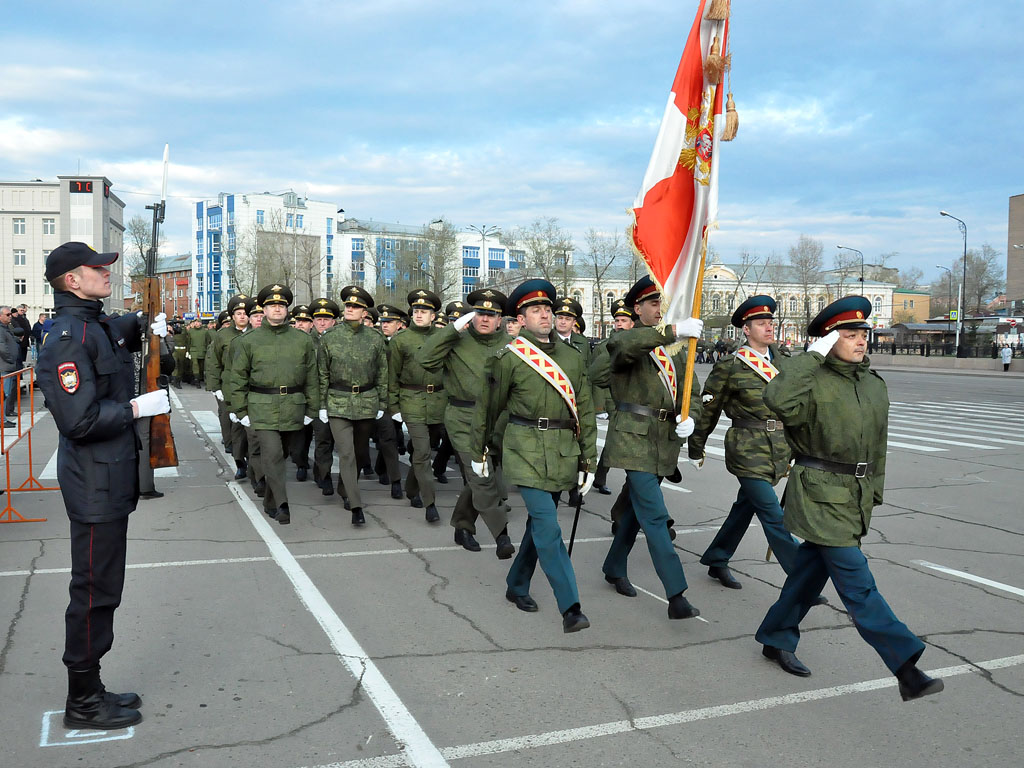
{"x": 549, "y": 370}
{"x": 666, "y": 371}
{"x": 757, "y": 362}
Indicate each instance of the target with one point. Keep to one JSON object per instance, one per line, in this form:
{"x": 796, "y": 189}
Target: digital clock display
{"x": 81, "y": 186}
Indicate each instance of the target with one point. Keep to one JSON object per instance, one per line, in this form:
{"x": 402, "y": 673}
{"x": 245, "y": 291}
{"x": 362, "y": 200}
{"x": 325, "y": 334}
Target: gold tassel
{"x": 719, "y": 11}
{"x": 714, "y": 64}
{"x": 732, "y": 120}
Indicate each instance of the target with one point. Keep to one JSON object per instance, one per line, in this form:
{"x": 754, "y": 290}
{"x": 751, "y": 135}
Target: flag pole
{"x": 691, "y": 353}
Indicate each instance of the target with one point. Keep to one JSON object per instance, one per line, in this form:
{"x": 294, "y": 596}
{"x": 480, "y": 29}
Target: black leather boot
{"x": 89, "y": 705}
{"x": 914, "y": 683}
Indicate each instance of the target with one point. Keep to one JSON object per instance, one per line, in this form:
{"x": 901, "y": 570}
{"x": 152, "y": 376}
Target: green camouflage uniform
{"x": 198, "y": 341}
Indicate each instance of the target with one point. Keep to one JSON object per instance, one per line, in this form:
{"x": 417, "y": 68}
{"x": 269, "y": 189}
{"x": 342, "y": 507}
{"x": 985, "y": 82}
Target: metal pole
{"x": 962, "y": 294}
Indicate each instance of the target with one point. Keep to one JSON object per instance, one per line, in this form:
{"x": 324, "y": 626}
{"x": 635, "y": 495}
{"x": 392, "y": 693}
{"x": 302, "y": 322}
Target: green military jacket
{"x": 582, "y": 345}
{"x": 216, "y": 359}
{"x": 462, "y": 356}
{"x": 635, "y": 441}
{"x": 353, "y": 369}
{"x": 599, "y": 361}
{"x": 273, "y": 356}
{"x": 181, "y": 339}
{"x": 548, "y": 460}
{"x": 418, "y": 406}
{"x": 198, "y": 341}
{"x": 838, "y": 412}
{"x": 733, "y": 386}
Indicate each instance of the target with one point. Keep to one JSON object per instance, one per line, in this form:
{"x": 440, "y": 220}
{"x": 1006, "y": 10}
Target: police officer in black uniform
{"x": 85, "y": 373}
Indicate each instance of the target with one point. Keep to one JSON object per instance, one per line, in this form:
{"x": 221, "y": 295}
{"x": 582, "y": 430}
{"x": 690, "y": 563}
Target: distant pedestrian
{"x": 1007, "y": 354}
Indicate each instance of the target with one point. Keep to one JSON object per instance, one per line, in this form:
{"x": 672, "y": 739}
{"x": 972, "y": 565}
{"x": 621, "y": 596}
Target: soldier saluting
{"x": 836, "y": 412}
{"x": 550, "y": 444}
{"x": 273, "y": 388}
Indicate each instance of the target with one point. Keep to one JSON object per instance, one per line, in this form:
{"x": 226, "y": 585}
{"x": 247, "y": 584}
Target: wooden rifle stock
{"x": 162, "y": 452}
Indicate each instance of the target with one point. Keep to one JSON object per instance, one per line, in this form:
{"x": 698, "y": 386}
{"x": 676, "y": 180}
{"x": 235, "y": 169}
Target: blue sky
{"x": 858, "y": 120}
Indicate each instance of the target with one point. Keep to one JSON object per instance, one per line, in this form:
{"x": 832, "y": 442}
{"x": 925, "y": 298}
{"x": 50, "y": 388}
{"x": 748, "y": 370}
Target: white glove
{"x": 603, "y": 416}
{"x": 244, "y": 421}
{"x": 585, "y": 481}
{"x": 159, "y": 325}
{"x": 323, "y": 415}
{"x": 233, "y": 418}
{"x": 306, "y": 421}
{"x": 691, "y": 327}
{"x": 465, "y": 320}
{"x": 685, "y": 428}
{"x": 218, "y": 394}
{"x": 397, "y": 417}
{"x": 823, "y": 345}
{"x": 379, "y": 414}
{"x": 697, "y": 463}
{"x": 479, "y": 467}
{"x": 152, "y": 403}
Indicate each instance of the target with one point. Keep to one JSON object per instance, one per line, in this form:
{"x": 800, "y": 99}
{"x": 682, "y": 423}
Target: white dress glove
{"x": 585, "y": 481}
{"x": 691, "y": 327}
{"x": 824, "y": 345}
{"x": 379, "y": 414}
{"x": 697, "y": 463}
{"x": 159, "y": 325}
{"x": 397, "y": 417}
{"x": 603, "y": 416}
{"x": 685, "y": 428}
{"x": 152, "y": 403}
{"x": 465, "y": 320}
{"x": 306, "y": 421}
{"x": 218, "y": 394}
{"x": 233, "y": 418}
{"x": 479, "y": 467}
{"x": 323, "y": 415}
{"x": 244, "y": 421}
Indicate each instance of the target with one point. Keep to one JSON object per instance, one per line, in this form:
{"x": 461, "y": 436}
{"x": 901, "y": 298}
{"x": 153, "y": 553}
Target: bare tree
{"x": 806, "y": 260}
{"x": 846, "y": 272}
{"x": 138, "y": 236}
{"x": 909, "y": 278}
{"x": 274, "y": 252}
{"x": 548, "y": 250}
{"x": 985, "y": 277}
{"x": 603, "y": 252}
{"x": 443, "y": 267}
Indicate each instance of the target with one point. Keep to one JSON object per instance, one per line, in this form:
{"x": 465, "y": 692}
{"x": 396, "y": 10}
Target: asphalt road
{"x": 318, "y": 644}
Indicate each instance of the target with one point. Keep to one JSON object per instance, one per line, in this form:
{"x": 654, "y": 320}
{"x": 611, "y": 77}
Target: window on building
{"x": 19, "y": 257}
{"x": 330, "y": 226}
{"x": 289, "y": 220}
{"x": 716, "y": 304}
{"x": 905, "y": 303}
{"x": 231, "y": 241}
{"x": 821, "y": 303}
{"x": 19, "y": 226}
{"x": 330, "y": 245}
{"x": 730, "y": 303}
{"x": 470, "y": 271}
{"x": 298, "y": 220}
{"x": 259, "y": 217}
{"x": 610, "y": 298}
{"x": 49, "y": 226}
{"x": 467, "y": 288}
{"x": 911, "y": 303}
{"x": 878, "y": 304}
{"x": 792, "y": 306}
{"x": 471, "y": 252}
{"x": 358, "y": 265}
{"x": 358, "y": 245}
{"x": 47, "y": 289}
{"x": 20, "y": 287}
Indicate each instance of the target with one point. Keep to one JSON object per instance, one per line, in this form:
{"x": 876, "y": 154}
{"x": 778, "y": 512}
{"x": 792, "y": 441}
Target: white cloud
{"x": 778, "y": 113}
{"x": 20, "y": 141}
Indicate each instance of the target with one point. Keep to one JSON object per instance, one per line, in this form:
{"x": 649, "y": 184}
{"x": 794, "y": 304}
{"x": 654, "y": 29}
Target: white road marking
{"x": 76, "y": 737}
{"x": 662, "y": 599}
{"x": 569, "y": 735}
{"x": 971, "y": 577}
{"x": 944, "y": 441}
{"x": 914, "y": 425}
{"x": 915, "y": 447}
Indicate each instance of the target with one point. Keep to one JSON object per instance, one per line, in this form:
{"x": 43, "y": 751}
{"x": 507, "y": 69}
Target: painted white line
{"x": 663, "y": 600}
{"x": 209, "y": 422}
{"x": 76, "y": 737}
{"x": 944, "y": 441}
{"x": 418, "y": 749}
{"x": 971, "y": 577}
{"x": 956, "y": 418}
{"x": 569, "y": 735}
{"x": 676, "y": 488}
{"x": 960, "y": 409}
{"x": 913, "y": 446}
{"x": 918, "y": 425}
{"x": 50, "y": 470}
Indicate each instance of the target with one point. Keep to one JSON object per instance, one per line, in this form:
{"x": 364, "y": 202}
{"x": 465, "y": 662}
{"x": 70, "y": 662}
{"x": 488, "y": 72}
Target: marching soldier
{"x": 182, "y": 365}
{"x": 549, "y": 445}
{"x": 389, "y": 432}
{"x": 416, "y": 396}
{"x": 353, "y": 388}
{"x": 836, "y": 412}
{"x": 645, "y": 433}
{"x": 568, "y": 314}
{"x": 461, "y": 350}
{"x": 273, "y": 388}
{"x": 325, "y": 314}
{"x": 622, "y": 320}
{"x": 302, "y": 320}
{"x": 253, "y": 456}
{"x": 198, "y": 341}
{"x": 232, "y": 433}
{"x": 445, "y": 450}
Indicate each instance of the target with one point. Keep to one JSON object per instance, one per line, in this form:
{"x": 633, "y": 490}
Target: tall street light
{"x": 949, "y": 293}
{"x": 962, "y": 298}
{"x": 861, "y": 254}
{"x": 485, "y": 231}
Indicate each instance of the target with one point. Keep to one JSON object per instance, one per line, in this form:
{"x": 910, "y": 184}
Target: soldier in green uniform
{"x": 325, "y": 314}
{"x": 273, "y": 388}
{"x": 182, "y": 365}
{"x": 232, "y": 433}
{"x": 198, "y": 341}
{"x": 302, "y": 320}
{"x": 568, "y": 313}
{"x": 622, "y": 320}
{"x": 836, "y": 412}
{"x": 549, "y": 446}
{"x": 645, "y": 433}
{"x": 353, "y": 387}
{"x": 253, "y": 455}
{"x": 416, "y": 396}
{"x": 461, "y": 351}
{"x": 445, "y": 450}
{"x": 388, "y": 432}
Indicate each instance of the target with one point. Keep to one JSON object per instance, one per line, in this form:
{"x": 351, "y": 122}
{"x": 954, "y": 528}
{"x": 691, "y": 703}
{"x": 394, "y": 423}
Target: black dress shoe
{"x": 574, "y": 498}
{"x": 573, "y": 620}
{"x": 724, "y": 575}
{"x": 368, "y": 472}
{"x": 604, "y": 490}
{"x": 271, "y": 513}
{"x": 301, "y": 474}
{"x": 431, "y": 514}
{"x": 284, "y": 516}
{"x": 125, "y": 700}
{"x": 787, "y": 660}
{"x": 615, "y": 527}
{"x": 504, "y": 550}
{"x": 671, "y": 531}
{"x": 679, "y": 608}
{"x": 260, "y": 489}
{"x": 9, "y": 424}
{"x": 442, "y": 479}
{"x": 522, "y": 602}
{"x": 345, "y": 503}
{"x": 383, "y": 479}
{"x": 820, "y": 600}
{"x": 622, "y": 585}
{"x": 466, "y": 540}
{"x": 227, "y": 448}
{"x": 240, "y": 473}
{"x": 327, "y": 488}
{"x": 914, "y": 683}
{"x": 396, "y": 489}
{"x": 416, "y": 502}
{"x": 151, "y": 495}
{"x": 357, "y": 516}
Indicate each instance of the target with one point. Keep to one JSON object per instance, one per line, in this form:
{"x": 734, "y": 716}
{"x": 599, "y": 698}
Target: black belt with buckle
{"x": 769, "y": 425}
{"x": 428, "y": 388}
{"x": 661, "y": 414}
{"x": 461, "y": 403}
{"x": 542, "y": 424}
{"x": 276, "y": 390}
{"x": 862, "y": 469}
{"x": 355, "y": 389}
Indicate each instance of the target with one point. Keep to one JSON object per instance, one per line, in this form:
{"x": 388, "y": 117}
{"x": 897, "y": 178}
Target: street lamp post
{"x": 861, "y": 254}
{"x": 962, "y": 297}
{"x": 949, "y": 294}
{"x": 485, "y": 231}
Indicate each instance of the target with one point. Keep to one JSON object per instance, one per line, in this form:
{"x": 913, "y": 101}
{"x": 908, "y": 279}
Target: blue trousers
{"x": 851, "y": 576}
{"x": 543, "y": 541}
{"x": 646, "y": 509}
{"x": 756, "y": 497}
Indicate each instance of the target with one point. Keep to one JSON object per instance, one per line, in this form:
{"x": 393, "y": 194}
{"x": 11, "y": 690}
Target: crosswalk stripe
{"x": 945, "y": 441}
{"x": 922, "y": 426}
{"x": 915, "y": 447}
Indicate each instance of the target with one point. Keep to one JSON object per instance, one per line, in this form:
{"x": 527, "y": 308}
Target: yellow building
{"x": 910, "y": 306}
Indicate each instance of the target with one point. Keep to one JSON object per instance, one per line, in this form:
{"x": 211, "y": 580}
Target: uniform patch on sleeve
{"x": 708, "y": 397}
{"x": 68, "y": 375}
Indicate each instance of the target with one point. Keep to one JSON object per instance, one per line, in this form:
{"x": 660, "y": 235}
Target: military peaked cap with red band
{"x": 536, "y": 291}
{"x": 849, "y": 312}
{"x": 754, "y": 308}
{"x": 642, "y": 290}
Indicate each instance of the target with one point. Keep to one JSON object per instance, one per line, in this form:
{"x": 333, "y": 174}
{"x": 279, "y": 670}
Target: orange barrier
{"x": 9, "y": 514}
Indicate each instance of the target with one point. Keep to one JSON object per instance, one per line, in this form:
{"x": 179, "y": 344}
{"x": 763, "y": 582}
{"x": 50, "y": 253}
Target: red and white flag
{"x": 679, "y": 197}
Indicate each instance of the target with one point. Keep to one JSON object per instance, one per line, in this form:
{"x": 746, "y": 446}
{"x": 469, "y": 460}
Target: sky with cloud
{"x": 859, "y": 121}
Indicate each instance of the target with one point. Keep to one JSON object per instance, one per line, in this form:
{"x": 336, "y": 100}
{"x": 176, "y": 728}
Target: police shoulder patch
{"x": 67, "y": 374}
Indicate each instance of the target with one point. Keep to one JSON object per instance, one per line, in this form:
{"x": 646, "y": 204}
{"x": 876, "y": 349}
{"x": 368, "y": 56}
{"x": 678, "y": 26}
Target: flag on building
{"x": 678, "y": 200}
